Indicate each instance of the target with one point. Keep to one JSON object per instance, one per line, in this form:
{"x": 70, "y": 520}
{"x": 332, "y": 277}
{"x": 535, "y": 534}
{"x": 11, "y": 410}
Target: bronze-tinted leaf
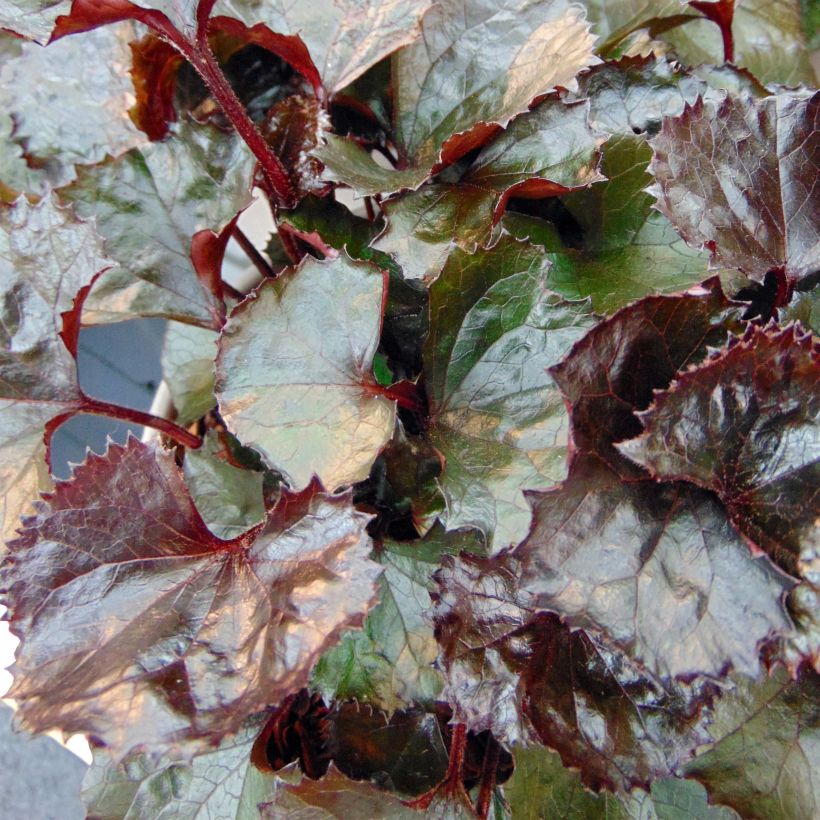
{"x": 739, "y": 176}
{"x": 614, "y": 369}
{"x": 745, "y": 425}
{"x": 140, "y": 627}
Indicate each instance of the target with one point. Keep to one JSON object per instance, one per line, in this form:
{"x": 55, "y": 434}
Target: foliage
{"x": 498, "y": 495}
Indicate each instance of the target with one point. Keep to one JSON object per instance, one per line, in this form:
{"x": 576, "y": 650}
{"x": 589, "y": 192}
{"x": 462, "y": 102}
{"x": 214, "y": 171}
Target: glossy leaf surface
{"x": 46, "y": 257}
{"x": 496, "y": 415}
{"x": 745, "y": 425}
{"x": 148, "y": 205}
{"x": 294, "y": 374}
{"x": 165, "y": 635}
{"x": 740, "y": 177}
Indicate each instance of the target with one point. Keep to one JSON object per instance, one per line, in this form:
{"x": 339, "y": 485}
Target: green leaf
{"x": 294, "y": 376}
{"x": 46, "y": 257}
{"x": 228, "y": 498}
{"x": 547, "y": 151}
{"x": 506, "y": 53}
{"x": 389, "y": 663}
{"x": 746, "y": 425}
{"x": 496, "y": 415}
{"x": 344, "y": 38}
{"x": 766, "y": 760}
{"x": 768, "y": 39}
{"x": 736, "y": 175}
{"x": 541, "y": 787}
{"x": 77, "y": 111}
{"x": 148, "y": 204}
{"x": 627, "y": 249}
{"x": 613, "y": 20}
{"x": 220, "y": 782}
{"x": 188, "y": 355}
{"x": 674, "y": 799}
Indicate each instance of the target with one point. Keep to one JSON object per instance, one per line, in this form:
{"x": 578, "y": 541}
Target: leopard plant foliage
{"x": 497, "y": 496}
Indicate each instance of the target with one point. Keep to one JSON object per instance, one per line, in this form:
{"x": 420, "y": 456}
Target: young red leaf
{"x": 141, "y": 628}
{"x": 613, "y": 370}
{"x": 745, "y": 425}
{"x": 47, "y": 256}
{"x": 739, "y": 177}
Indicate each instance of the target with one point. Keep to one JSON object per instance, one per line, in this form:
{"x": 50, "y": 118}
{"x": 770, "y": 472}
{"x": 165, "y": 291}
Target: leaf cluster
{"x": 497, "y": 495}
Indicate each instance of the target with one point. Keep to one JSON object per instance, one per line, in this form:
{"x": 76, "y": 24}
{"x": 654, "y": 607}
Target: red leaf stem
{"x": 251, "y": 251}
{"x": 722, "y": 14}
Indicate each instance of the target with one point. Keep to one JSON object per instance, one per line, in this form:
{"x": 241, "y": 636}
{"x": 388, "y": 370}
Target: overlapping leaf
{"x": 768, "y": 40}
{"x": 344, "y": 38}
{"x": 140, "y": 627}
{"x": 389, "y": 663}
{"x": 739, "y": 176}
{"x": 613, "y": 20}
{"x": 148, "y": 205}
{"x": 294, "y": 376}
{"x": 548, "y": 151}
{"x": 745, "y": 425}
{"x": 613, "y": 371}
{"x": 33, "y": 19}
{"x": 766, "y": 759}
{"x": 609, "y": 555}
{"x": 76, "y": 111}
{"x": 188, "y": 355}
{"x": 505, "y": 53}
{"x": 46, "y": 257}
{"x": 496, "y": 415}
{"x": 221, "y": 782}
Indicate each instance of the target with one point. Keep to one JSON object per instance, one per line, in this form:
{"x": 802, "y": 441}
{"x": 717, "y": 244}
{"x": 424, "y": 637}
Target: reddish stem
{"x": 489, "y": 770}
{"x": 368, "y": 205}
{"x": 200, "y": 56}
{"x": 458, "y": 745}
{"x": 103, "y": 408}
{"x": 259, "y": 261}
{"x": 721, "y": 13}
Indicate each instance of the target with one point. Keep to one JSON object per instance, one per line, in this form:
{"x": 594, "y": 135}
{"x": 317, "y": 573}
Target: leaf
{"x": 294, "y": 374}
{"x": 334, "y": 797}
{"x": 46, "y": 257}
{"x": 220, "y": 782}
{"x": 735, "y": 176}
{"x": 188, "y": 355}
{"x": 506, "y": 53}
{"x": 609, "y": 555}
{"x": 541, "y": 787}
{"x": 140, "y": 627}
{"x": 615, "y": 368}
{"x": 528, "y": 677}
{"x": 344, "y": 38}
{"x": 76, "y": 112}
{"x": 495, "y": 414}
{"x": 744, "y": 424}
{"x": 765, "y": 761}
{"x": 228, "y": 498}
{"x": 148, "y": 204}
{"x": 33, "y": 19}
{"x": 768, "y": 40}
{"x": 634, "y": 94}
{"x": 389, "y": 663}
{"x": 548, "y": 151}
{"x": 405, "y": 754}
{"x": 613, "y": 20}
{"x": 624, "y": 249}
